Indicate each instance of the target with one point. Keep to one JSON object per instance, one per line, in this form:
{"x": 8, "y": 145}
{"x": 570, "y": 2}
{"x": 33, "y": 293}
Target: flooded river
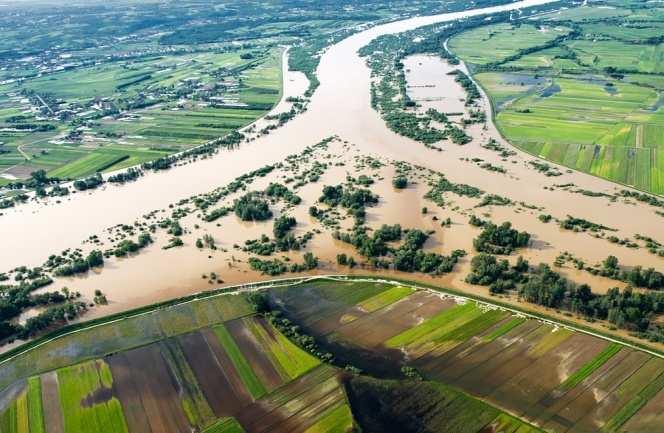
{"x": 30, "y": 233}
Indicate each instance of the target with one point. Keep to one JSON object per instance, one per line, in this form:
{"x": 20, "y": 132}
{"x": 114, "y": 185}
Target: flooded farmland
{"x": 183, "y": 366}
{"x": 534, "y": 370}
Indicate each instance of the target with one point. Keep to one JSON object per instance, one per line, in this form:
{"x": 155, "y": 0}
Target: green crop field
{"x": 475, "y": 326}
{"x": 125, "y": 334}
{"x": 590, "y": 101}
{"x": 35, "y": 409}
{"x": 384, "y": 299}
{"x": 505, "y": 328}
{"x": 339, "y": 419}
{"x": 549, "y": 374}
{"x": 24, "y": 414}
{"x": 587, "y": 369}
{"x": 249, "y": 378}
{"x": 636, "y": 403}
{"x": 437, "y": 326}
{"x": 15, "y": 418}
{"x": 89, "y": 164}
{"x": 194, "y": 403}
{"x": 288, "y": 358}
{"x": 83, "y": 381}
{"x": 491, "y": 43}
{"x": 164, "y": 383}
{"x": 427, "y": 406}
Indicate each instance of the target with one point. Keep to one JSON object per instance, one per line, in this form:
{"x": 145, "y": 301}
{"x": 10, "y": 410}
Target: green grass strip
{"x": 289, "y": 360}
{"x": 337, "y": 420}
{"x": 384, "y": 299}
{"x": 247, "y": 375}
{"x": 589, "y": 367}
{"x": 225, "y": 425}
{"x": 505, "y": 328}
{"x": 195, "y": 405}
{"x": 633, "y": 406}
{"x": 22, "y": 419}
{"x": 35, "y": 408}
{"x": 8, "y": 419}
{"x": 436, "y": 324}
{"x": 473, "y": 327}
{"x": 508, "y": 423}
{"x": 15, "y": 418}
{"x": 294, "y": 360}
{"x": 348, "y": 293}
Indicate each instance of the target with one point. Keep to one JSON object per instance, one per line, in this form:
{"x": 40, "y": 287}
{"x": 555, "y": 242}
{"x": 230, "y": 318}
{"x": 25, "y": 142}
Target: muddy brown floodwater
{"x": 341, "y": 107}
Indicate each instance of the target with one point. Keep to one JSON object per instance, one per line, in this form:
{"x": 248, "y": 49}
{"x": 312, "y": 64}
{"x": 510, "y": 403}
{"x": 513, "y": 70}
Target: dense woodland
{"x": 542, "y": 285}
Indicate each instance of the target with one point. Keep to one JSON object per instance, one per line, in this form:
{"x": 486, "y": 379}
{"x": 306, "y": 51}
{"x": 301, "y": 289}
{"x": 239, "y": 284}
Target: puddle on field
{"x": 516, "y": 79}
{"x": 659, "y": 103}
{"x": 101, "y": 395}
{"x": 550, "y": 91}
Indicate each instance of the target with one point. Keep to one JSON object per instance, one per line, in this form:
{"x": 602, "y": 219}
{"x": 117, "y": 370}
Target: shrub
{"x": 251, "y": 207}
{"x": 501, "y": 239}
{"x": 400, "y": 182}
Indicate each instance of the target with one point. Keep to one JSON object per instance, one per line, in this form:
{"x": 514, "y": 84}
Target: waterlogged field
{"x": 555, "y": 378}
{"x": 393, "y": 406}
{"x": 590, "y": 100}
{"x": 212, "y": 365}
{"x": 214, "y": 368}
{"x": 127, "y": 333}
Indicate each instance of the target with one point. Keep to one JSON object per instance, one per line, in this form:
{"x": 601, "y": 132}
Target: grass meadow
{"x": 562, "y": 102}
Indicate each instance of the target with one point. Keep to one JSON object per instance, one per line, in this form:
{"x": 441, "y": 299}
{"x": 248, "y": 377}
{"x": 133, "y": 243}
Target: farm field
{"x": 590, "y": 100}
{"x": 239, "y": 375}
{"x": 219, "y": 367}
{"x": 393, "y": 406}
{"x": 488, "y": 44}
{"x": 555, "y": 378}
{"x": 141, "y": 111}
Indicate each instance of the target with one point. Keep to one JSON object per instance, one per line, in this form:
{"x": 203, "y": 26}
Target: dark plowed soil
{"x": 226, "y": 363}
{"x": 128, "y": 394}
{"x": 293, "y": 407}
{"x": 148, "y": 391}
{"x": 374, "y": 329}
{"x": 51, "y": 403}
{"x": 215, "y": 379}
{"x": 531, "y": 383}
{"x": 603, "y": 411}
{"x": 254, "y": 354}
{"x": 449, "y": 370}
